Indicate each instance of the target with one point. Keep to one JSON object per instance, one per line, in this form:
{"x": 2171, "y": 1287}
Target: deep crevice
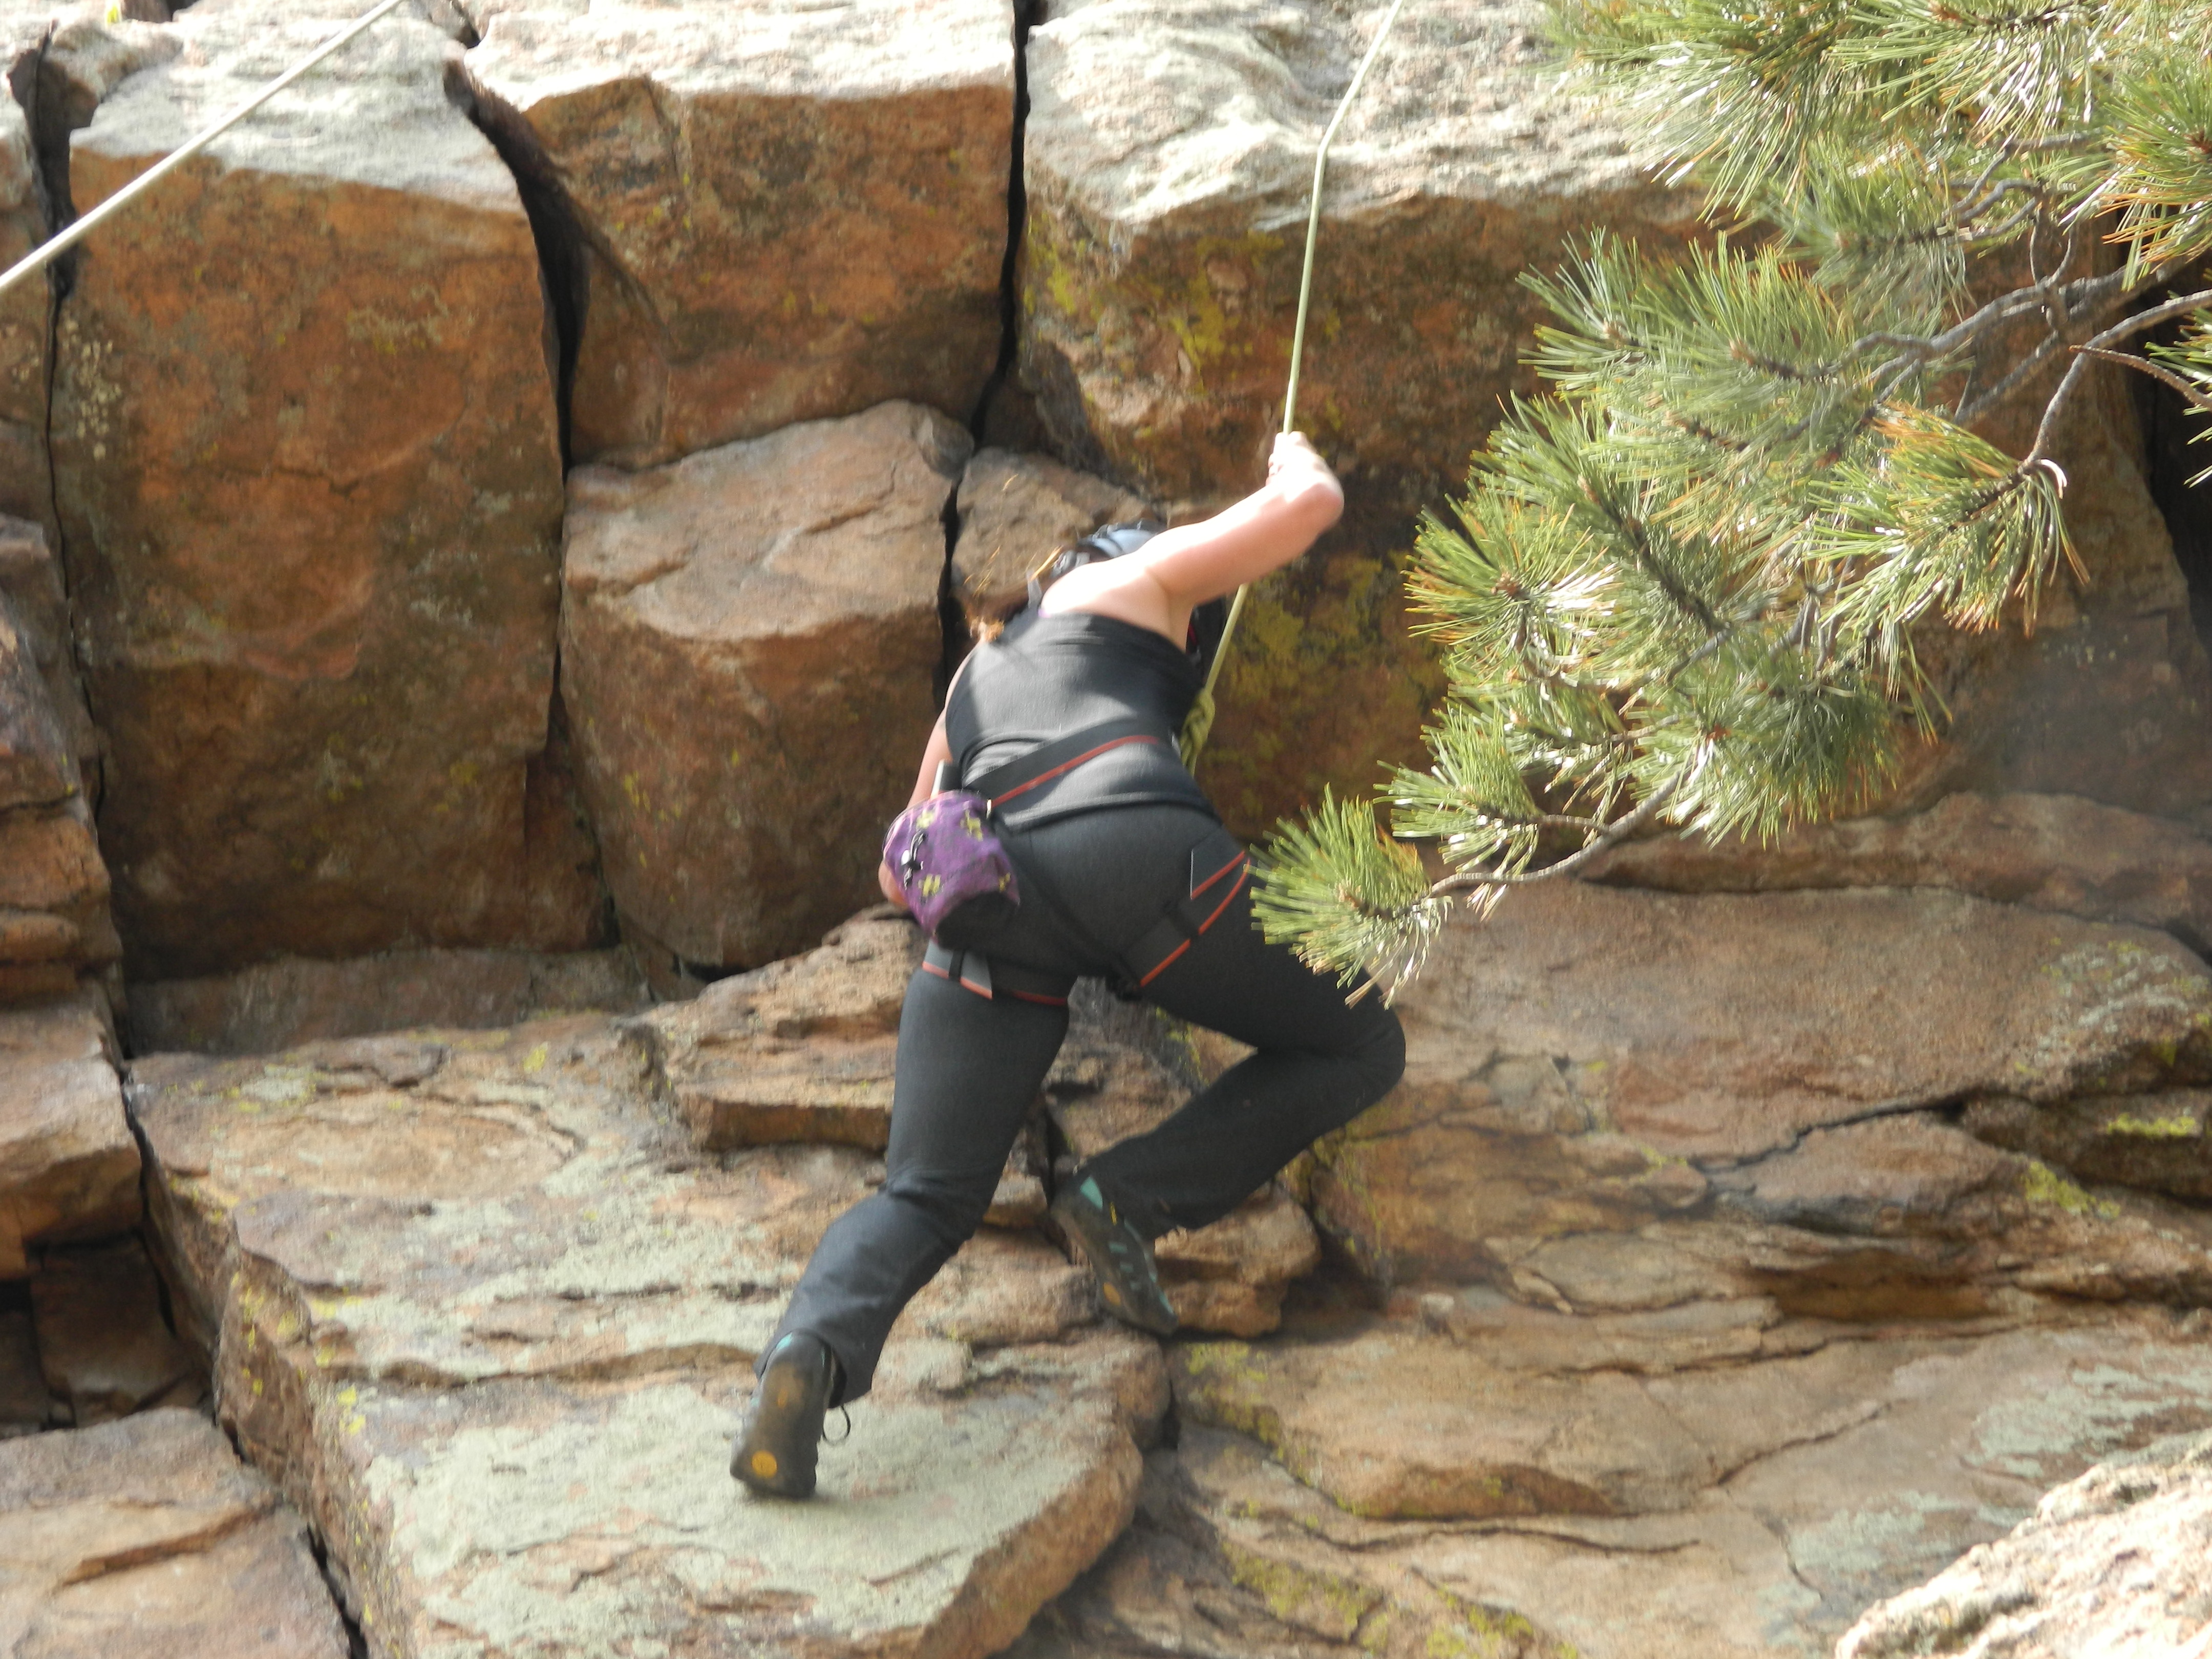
{"x": 563, "y": 251}
{"x": 1016, "y": 223}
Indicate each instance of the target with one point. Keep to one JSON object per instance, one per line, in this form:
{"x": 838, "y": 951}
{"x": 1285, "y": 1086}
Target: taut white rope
{"x": 54, "y": 247}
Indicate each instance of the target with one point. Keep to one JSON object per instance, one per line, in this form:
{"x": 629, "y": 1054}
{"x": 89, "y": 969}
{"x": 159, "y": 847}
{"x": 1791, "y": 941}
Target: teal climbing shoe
{"x": 1128, "y": 1280}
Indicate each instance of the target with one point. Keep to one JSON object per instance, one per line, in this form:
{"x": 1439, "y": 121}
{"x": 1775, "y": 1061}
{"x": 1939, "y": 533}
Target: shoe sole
{"x": 1133, "y": 1304}
{"x": 772, "y": 1455}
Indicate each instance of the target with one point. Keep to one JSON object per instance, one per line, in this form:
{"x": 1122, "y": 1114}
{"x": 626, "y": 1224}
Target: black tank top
{"x": 1048, "y": 677}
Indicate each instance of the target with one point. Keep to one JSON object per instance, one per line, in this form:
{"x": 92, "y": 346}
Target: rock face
{"x": 25, "y": 313}
{"x": 2057, "y": 852}
{"x": 749, "y": 639}
{"x": 1015, "y": 512}
{"x": 147, "y": 1536}
{"x": 775, "y": 215}
{"x": 310, "y": 527}
{"x": 1168, "y": 158}
{"x": 491, "y": 1320}
{"x": 277, "y": 1005}
{"x": 55, "y": 923}
{"x": 2118, "y": 1564}
{"x": 68, "y": 1167}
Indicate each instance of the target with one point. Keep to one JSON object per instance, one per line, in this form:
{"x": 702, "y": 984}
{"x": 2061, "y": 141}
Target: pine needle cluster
{"x": 1685, "y": 586}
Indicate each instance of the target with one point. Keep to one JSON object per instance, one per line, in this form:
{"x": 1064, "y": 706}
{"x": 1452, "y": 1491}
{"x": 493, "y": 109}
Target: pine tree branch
{"x": 2085, "y": 353}
{"x": 2157, "y": 371}
{"x": 1619, "y": 830}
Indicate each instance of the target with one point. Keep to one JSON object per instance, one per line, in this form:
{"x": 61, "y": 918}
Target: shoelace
{"x": 844, "y": 1437}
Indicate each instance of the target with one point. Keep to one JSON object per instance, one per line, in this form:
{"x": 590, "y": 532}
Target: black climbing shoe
{"x": 776, "y": 1449}
{"x": 1128, "y": 1281}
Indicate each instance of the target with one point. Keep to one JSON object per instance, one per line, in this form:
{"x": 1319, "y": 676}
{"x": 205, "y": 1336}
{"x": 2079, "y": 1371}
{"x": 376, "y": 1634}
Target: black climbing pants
{"x": 969, "y": 1068}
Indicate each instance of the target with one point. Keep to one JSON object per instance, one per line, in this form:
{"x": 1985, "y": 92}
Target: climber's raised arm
{"x": 1156, "y": 587}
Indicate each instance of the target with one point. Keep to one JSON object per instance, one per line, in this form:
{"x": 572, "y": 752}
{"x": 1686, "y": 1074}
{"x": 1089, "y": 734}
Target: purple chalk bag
{"x": 955, "y": 875}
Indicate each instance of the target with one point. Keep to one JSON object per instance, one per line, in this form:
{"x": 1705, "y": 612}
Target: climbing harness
{"x": 1200, "y": 723}
{"x": 54, "y": 246}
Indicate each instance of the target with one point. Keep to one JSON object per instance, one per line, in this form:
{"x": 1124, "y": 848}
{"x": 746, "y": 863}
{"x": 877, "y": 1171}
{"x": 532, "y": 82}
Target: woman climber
{"x": 1067, "y": 724}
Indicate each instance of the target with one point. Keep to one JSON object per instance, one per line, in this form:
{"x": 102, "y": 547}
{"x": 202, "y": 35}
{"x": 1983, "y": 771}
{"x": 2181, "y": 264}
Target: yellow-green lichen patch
{"x": 1326, "y": 1603}
{"x": 2043, "y": 1185}
{"x": 2178, "y": 1126}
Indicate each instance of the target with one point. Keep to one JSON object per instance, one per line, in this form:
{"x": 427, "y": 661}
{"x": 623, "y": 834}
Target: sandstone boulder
{"x": 1594, "y": 1073}
{"x": 2157, "y": 1141}
{"x": 68, "y": 1167}
{"x": 1015, "y": 512}
{"x": 2116, "y": 1562}
{"x": 491, "y": 1320}
{"x": 801, "y": 1050}
{"x": 2057, "y": 852}
{"x": 1647, "y": 1510}
{"x": 310, "y": 522}
{"x": 772, "y": 214}
{"x": 150, "y": 1536}
{"x": 281, "y": 1004}
{"x": 749, "y": 642}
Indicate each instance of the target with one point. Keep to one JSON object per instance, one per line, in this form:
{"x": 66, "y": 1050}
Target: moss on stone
{"x": 1324, "y": 1602}
{"x": 2179, "y": 1127}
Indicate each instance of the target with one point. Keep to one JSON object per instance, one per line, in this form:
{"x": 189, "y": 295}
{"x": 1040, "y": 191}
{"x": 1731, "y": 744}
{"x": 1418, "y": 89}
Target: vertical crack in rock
{"x": 951, "y": 616}
{"x": 564, "y": 262}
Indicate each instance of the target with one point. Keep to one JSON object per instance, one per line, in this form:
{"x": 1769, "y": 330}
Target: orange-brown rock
{"x": 68, "y": 1167}
{"x": 37, "y": 613}
{"x": 491, "y": 1319}
{"x": 774, "y": 214}
{"x": 306, "y": 460}
{"x": 150, "y": 1536}
{"x": 749, "y": 640}
{"x": 1015, "y": 512}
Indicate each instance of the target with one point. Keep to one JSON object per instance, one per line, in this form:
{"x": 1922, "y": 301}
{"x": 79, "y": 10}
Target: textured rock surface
{"x": 801, "y": 1050}
{"x": 1634, "y": 1508}
{"x": 2056, "y": 853}
{"x": 69, "y": 1168}
{"x": 748, "y": 644}
{"x": 25, "y": 313}
{"x": 310, "y": 525}
{"x": 778, "y": 214}
{"x": 1015, "y": 511}
{"x": 103, "y": 1347}
{"x": 1168, "y": 157}
{"x": 491, "y": 1319}
{"x": 2118, "y": 1564}
{"x": 149, "y": 1536}
{"x": 55, "y": 922}
{"x": 277, "y": 1005}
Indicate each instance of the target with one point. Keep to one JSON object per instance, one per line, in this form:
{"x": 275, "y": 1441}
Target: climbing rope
{"x": 1200, "y": 723}
{"x": 47, "y": 251}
